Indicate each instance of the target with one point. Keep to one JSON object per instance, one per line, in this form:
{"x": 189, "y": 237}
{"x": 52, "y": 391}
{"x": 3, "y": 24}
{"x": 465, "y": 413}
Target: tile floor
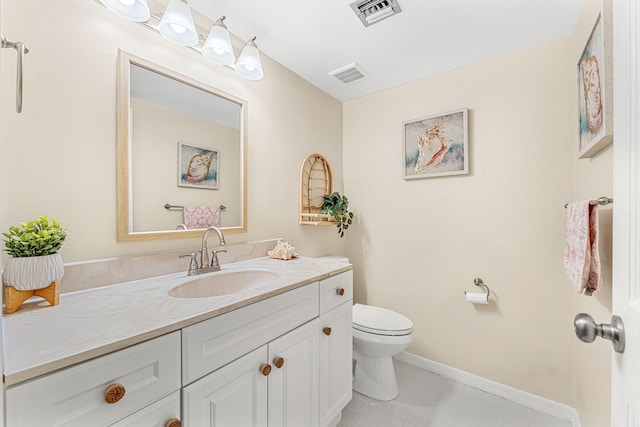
{"x": 429, "y": 400}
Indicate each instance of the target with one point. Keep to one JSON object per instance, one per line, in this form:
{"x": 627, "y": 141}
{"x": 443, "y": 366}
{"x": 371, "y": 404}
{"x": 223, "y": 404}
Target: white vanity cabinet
{"x": 91, "y": 393}
{"x": 284, "y": 360}
{"x": 300, "y": 376}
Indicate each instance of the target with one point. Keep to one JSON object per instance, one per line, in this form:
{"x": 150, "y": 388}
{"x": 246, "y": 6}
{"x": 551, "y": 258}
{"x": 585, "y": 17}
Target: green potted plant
{"x": 34, "y": 261}
{"x": 338, "y": 207}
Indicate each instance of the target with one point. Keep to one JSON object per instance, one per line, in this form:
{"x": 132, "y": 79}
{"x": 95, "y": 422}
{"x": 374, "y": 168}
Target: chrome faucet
{"x": 204, "y": 251}
{"x": 205, "y": 266}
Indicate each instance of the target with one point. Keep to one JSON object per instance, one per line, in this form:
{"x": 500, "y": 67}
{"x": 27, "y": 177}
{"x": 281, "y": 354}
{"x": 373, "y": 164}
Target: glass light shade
{"x": 218, "y": 48}
{"x": 249, "y": 65}
{"x": 177, "y": 24}
{"x": 133, "y": 10}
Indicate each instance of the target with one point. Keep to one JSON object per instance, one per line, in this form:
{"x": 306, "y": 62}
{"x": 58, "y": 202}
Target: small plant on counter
{"x": 41, "y": 236}
{"x": 34, "y": 266}
{"x": 338, "y": 207}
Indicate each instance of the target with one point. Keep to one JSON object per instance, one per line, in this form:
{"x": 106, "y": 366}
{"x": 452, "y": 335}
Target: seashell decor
{"x": 283, "y": 250}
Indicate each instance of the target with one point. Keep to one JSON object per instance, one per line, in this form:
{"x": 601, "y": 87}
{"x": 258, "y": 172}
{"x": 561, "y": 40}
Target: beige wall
{"x": 59, "y": 156}
{"x": 156, "y": 132}
{"x": 418, "y": 245}
{"x": 594, "y": 178}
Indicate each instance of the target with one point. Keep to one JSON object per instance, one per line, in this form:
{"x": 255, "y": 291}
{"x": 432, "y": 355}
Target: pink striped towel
{"x": 201, "y": 216}
{"x": 581, "y": 257}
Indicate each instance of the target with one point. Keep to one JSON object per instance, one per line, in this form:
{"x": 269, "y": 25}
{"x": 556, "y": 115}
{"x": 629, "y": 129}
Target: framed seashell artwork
{"x": 198, "y": 167}
{"x": 436, "y": 145}
{"x": 594, "y": 75}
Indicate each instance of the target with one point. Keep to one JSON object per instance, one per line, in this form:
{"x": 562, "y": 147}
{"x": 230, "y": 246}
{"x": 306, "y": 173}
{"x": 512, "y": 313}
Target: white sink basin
{"x": 223, "y": 283}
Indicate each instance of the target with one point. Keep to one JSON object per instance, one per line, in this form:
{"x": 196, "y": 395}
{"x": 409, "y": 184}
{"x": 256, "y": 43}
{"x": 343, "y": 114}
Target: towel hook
{"x": 21, "y": 49}
{"x": 478, "y": 282}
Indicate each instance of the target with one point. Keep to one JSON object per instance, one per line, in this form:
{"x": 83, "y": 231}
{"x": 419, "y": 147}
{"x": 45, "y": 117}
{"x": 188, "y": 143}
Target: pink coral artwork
{"x": 436, "y": 145}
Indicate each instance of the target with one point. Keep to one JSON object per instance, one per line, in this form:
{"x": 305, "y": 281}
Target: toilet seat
{"x": 380, "y": 321}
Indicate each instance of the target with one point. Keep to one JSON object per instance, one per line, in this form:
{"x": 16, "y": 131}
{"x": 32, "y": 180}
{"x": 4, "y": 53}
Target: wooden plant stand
{"x": 14, "y": 298}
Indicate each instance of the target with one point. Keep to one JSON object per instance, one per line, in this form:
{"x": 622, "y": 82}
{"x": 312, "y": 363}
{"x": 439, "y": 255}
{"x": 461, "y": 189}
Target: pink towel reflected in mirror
{"x": 201, "y": 216}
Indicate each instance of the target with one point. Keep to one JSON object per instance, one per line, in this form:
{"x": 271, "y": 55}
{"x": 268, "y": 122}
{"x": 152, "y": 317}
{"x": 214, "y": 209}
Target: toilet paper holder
{"x": 478, "y": 282}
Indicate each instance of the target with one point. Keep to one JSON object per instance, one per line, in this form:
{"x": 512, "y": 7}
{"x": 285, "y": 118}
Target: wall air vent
{"x": 371, "y": 11}
{"x": 349, "y": 74}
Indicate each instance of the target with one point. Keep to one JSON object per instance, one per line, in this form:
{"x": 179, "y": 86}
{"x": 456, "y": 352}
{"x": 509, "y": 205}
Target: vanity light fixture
{"x": 217, "y": 47}
{"x": 249, "y": 65}
{"x": 177, "y": 24}
{"x": 133, "y": 10}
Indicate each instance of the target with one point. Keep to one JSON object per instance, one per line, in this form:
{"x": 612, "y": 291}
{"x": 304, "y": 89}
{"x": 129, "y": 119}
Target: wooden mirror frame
{"x": 123, "y": 146}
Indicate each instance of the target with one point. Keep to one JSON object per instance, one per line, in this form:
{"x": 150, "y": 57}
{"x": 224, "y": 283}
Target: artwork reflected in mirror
{"x": 172, "y": 126}
{"x": 197, "y": 167}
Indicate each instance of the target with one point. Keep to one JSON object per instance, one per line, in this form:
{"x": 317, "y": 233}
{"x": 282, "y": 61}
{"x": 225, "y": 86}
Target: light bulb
{"x": 178, "y": 28}
{"x": 177, "y": 24}
{"x": 133, "y": 10}
{"x": 249, "y": 65}
{"x": 217, "y": 47}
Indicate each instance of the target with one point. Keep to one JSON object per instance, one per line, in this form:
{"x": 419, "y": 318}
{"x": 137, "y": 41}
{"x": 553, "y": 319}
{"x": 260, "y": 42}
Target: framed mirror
{"x": 181, "y": 154}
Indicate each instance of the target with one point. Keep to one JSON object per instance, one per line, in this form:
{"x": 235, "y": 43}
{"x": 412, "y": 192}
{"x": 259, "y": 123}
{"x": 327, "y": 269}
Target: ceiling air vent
{"x": 349, "y": 74}
{"x": 371, "y": 11}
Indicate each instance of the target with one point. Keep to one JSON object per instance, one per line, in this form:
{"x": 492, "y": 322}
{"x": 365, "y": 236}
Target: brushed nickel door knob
{"x": 587, "y": 330}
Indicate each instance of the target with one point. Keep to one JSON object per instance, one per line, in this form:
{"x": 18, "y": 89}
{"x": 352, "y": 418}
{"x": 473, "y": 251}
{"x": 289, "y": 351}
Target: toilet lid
{"x": 380, "y": 321}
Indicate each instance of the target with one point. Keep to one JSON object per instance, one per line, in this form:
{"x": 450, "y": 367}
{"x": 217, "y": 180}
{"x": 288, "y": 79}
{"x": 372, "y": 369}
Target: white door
{"x": 625, "y": 375}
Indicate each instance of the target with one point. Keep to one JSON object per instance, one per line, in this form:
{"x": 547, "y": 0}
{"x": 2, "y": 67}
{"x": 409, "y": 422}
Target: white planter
{"x": 30, "y": 273}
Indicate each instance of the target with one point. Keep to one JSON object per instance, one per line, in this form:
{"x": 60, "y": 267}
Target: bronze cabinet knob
{"x": 173, "y": 422}
{"x": 265, "y": 368}
{"x": 114, "y": 393}
{"x": 279, "y": 362}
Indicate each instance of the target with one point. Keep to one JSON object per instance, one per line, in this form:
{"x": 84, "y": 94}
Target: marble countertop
{"x": 39, "y": 339}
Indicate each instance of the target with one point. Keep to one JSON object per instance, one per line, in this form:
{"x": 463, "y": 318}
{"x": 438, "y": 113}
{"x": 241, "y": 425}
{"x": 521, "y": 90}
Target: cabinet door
{"x": 335, "y": 362}
{"x": 234, "y": 395}
{"x": 154, "y": 415}
{"x": 293, "y": 387}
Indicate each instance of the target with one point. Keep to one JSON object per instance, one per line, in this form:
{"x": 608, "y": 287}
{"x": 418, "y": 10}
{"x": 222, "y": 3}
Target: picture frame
{"x": 198, "y": 167}
{"x": 594, "y": 75}
{"x": 436, "y": 145}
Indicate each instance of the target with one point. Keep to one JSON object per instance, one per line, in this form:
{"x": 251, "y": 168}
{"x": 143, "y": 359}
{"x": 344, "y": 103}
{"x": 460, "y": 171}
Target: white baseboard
{"x": 529, "y": 400}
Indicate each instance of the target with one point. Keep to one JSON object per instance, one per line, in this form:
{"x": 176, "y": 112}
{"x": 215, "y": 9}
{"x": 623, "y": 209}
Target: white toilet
{"x": 378, "y": 334}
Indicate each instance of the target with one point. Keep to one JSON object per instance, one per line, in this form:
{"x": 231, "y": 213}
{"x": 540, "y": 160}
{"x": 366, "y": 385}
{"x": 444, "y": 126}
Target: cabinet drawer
{"x": 330, "y": 291}
{"x": 75, "y": 396}
{"x": 154, "y": 415}
{"x": 208, "y": 345}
